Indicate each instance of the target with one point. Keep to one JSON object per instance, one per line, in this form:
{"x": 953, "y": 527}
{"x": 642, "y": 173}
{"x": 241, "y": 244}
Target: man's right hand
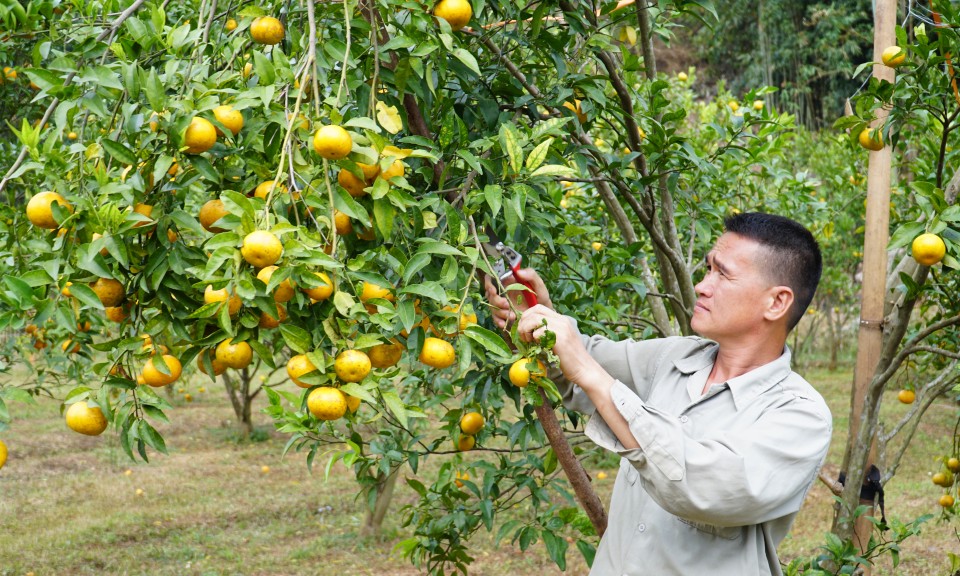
{"x": 502, "y": 313}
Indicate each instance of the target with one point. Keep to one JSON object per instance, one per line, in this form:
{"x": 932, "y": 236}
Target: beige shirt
{"x": 718, "y": 479}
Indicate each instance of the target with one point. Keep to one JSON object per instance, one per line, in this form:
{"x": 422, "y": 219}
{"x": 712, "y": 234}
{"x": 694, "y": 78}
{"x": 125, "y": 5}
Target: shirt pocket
{"x": 724, "y": 532}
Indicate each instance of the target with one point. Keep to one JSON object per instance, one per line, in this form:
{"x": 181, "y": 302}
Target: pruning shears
{"x": 495, "y": 248}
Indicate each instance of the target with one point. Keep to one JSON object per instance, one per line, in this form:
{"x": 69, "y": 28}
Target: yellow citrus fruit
{"x": 395, "y": 169}
{"x": 230, "y": 118}
{"x": 941, "y": 479}
{"x": 3, "y": 454}
{"x": 269, "y": 322}
{"x": 70, "y": 347}
{"x": 758, "y": 105}
{"x": 235, "y": 356}
{"x": 465, "y": 318}
{"x": 893, "y": 56}
{"x": 66, "y": 289}
{"x": 297, "y": 366}
{"x": 261, "y": 248}
{"x": 907, "y": 396}
{"x": 85, "y": 419}
{"x": 39, "y": 211}
{"x": 327, "y": 403}
{"x": 370, "y": 171}
{"x": 322, "y": 292}
{"x": 200, "y": 136}
{"x": 266, "y": 30}
{"x": 231, "y": 25}
{"x": 144, "y": 210}
{"x": 353, "y": 185}
{"x": 352, "y": 365}
{"x": 233, "y": 306}
{"x": 598, "y": 246}
{"x": 332, "y": 142}
{"x": 155, "y": 378}
{"x": 946, "y": 501}
{"x": 520, "y": 375}
{"x": 264, "y": 188}
{"x": 575, "y": 108}
{"x": 953, "y": 465}
{"x": 247, "y": 69}
{"x": 682, "y": 76}
{"x": 928, "y": 249}
{"x": 437, "y": 353}
{"x": 342, "y": 223}
{"x": 210, "y": 212}
{"x": 110, "y": 292}
{"x": 9, "y": 73}
{"x": 218, "y": 366}
{"x": 874, "y": 142}
{"x": 385, "y": 355}
{"x": 471, "y": 423}
{"x": 283, "y": 292}
{"x": 353, "y": 403}
{"x": 72, "y": 136}
{"x": 371, "y": 291}
{"x": 460, "y": 478}
{"x": 466, "y": 443}
{"x": 456, "y": 12}
{"x": 115, "y": 313}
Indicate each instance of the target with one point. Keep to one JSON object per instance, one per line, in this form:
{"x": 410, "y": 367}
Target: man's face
{"x": 733, "y": 294}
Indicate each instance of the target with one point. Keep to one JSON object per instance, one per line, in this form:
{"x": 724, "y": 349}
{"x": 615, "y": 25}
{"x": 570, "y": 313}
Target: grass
{"x": 68, "y": 504}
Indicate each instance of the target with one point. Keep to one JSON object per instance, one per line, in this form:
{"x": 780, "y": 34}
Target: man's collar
{"x": 747, "y": 386}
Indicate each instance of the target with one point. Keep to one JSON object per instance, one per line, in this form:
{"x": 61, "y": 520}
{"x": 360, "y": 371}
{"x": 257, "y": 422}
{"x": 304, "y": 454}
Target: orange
{"x": 575, "y": 108}
{"x": 66, "y": 289}
{"x": 110, "y": 292}
{"x": 218, "y": 366}
{"x": 261, "y": 248}
{"x": 70, "y": 347}
{"x": 247, "y": 69}
{"x": 232, "y": 355}
{"x": 322, "y": 292}
{"x": 327, "y": 403}
{"x": 210, "y": 295}
{"x": 210, "y": 212}
{"x": 893, "y": 56}
{"x": 953, "y": 465}
{"x": 471, "y": 423}
{"x": 907, "y": 396}
{"x": 437, "y": 353}
{"x": 465, "y": 319}
{"x": 264, "y": 189}
{"x": 466, "y": 443}
{"x": 353, "y": 185}
{"x": 395, "y": 169}
{"x": 386, "y": 355}
{"x": 371, "y": 291}
{"x": 342, "y": 223}
{"x": 171, "y": 235}
{"x": 460, "y": 478}
{"x": 456, "y": 12}
{"x": 39, "y": 211}
{"x": 332, "y": 142}
{"x": 370, "y": 171}
{"x": 946, "y": 501}
{"x": 353, "y": 403}
{"x": 928, "y": 249}
{"x": 200, "y": 136}
{"x": 601, "y": 476}
{"x": 871, "y": 142}
{"x": 230, "y": 118}
{"x": 116, "y": 313}
{"x": 352, "y": 365}
{"x": 85, "y": 419}
{"x": 269, "y": 322}
{"x": 143, "y": 210}
{"x": 283, "y": 292}
{"x": 3, "y": 454}
{"x": 298, "y": 366}
{"x": 520, "y": 375}
{"x": 231, "y": 25}
{"x": 152, "y": 376}
{"x": 266, "y": 30}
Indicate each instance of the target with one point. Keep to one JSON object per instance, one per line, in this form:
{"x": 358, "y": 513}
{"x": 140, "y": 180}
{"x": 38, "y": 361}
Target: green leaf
{"x": 119, "y": 152}
{"x": 205, "y": 168}
{"x": 296, "y": 338}
{"x": 432, "y": 290}
{"x": 468, "y": 60}
{"x": 538, "y": 154}
{"x": 151, "y": 437}
{"x": 395, "y": 404}
{"x": 264, "y": 68}
{"x": 553, "y": 170}
{"x": 86, "y": 296}
{"x": 491, "y": 341}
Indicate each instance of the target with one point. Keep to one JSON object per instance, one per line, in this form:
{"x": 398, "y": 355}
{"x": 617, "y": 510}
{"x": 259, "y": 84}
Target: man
{"x": 720, "y": 441}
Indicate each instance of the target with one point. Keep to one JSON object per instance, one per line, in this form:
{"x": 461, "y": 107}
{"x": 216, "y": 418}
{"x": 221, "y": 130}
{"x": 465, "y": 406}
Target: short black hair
{"x": 793, "y": 255}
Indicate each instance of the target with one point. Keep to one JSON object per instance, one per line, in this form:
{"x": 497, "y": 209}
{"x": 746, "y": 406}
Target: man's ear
{"x": 779, "y": 303}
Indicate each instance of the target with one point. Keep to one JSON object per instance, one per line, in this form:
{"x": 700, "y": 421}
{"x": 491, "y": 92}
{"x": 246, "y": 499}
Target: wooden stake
{"x": 877, "y": 233}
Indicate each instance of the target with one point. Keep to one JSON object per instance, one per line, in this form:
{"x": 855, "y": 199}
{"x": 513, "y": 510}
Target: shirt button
{"x": 642, "y": 527}
{"x": 684, "y": 419}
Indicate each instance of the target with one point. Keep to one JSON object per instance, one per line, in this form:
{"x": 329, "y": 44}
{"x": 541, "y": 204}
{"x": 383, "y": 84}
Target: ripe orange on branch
{"x": 284, "y": 291}
{"x": 261, "y": 248}
{"x": 471, "y": 423}
{"x": 152, "y": 375}
{"x": 233, "y": 301}
{"x": 39, "y": 210}
{"x": 200, "y": 136}
{"x": 520, "y": 375}
{"x": 85, "y": 419}
{"x": 870, "y": 141}
{"x": 322, "y": 292}
{"x": 327, "y": 403}
{"x": 298, "y": 366}
{"x": 109, "y": 291}
{"x": 893, "y": 56}
{"x": 385, "y": 355}
{"x": 237, "y": 356}
{"x": 210, "y": 212}
{"x": 232, "y": 119}
{"x": 928, "y": 249}
{"x": 437, "y": 353}
{"x": 352, "y": 365}
{"x": 266, "y": 30}
{"x": 456, "y": 12}
{"x": 332, "y": 142}
{"x": 264, "y": 188}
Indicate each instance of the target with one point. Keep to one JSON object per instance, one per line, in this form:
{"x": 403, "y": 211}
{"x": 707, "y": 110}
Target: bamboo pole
{"x": 876, "y": 237}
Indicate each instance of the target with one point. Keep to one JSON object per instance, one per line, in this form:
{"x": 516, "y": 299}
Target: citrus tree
{"x": 305, "y": 188}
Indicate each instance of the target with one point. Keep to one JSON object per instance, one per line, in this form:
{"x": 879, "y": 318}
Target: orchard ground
{"x": 69, "y": 506}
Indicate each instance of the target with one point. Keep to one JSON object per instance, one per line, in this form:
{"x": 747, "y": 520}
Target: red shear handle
{"x": 528, "y": 295}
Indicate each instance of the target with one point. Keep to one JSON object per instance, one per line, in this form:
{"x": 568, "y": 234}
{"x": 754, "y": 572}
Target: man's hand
{"x": 503, "y": 315}
{"x": 575, "y": 362}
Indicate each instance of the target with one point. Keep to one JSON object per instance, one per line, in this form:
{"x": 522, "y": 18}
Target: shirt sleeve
{"x": 731, "y": 478}
{"x": 626, "y": 360}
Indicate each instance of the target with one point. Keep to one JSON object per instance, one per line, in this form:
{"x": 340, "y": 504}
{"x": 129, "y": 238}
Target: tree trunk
{"x": 373, "y": 522}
